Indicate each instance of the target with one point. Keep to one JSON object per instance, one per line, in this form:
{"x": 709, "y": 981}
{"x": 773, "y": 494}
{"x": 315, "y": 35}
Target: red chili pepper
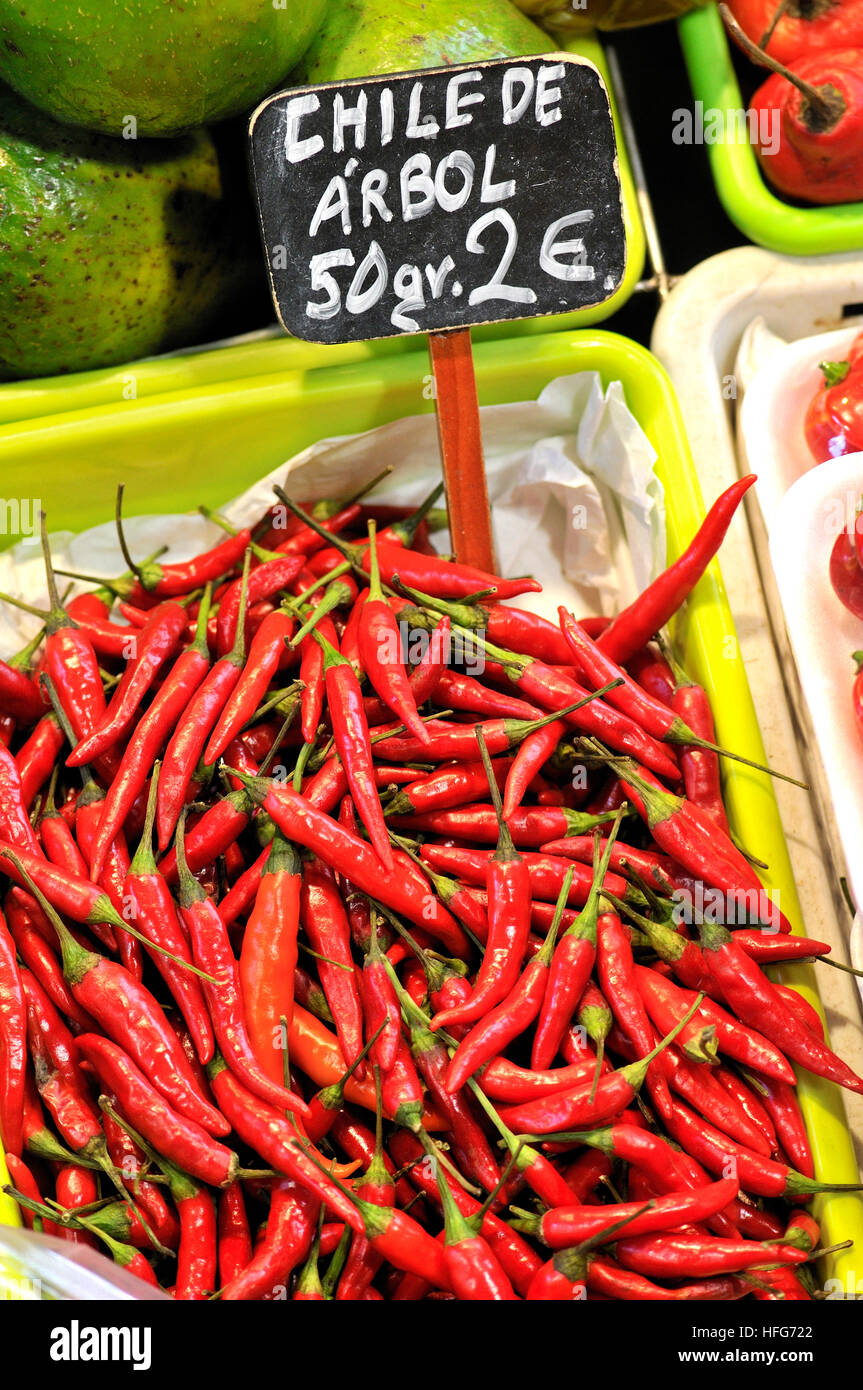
{"x": 504, "y": 1080}
{"x": 131, "y": 1017}
{"x": 129, "y": 1160}
{"x": 751, "y": 1105}
{"x": 666, "y": 1003}
{"x": 312, "y": 677}
{"x": 268, "y": 956}
{"x": 404, "y": 891}
{"x": 326, "y": 925}
{"x": 607, "y": 1278}
{"x": 516, "y": 1257}
{"x": 512, "y": 1016}
{"x": 151, "y": 731}
{"x": 474, "y": 1271}
{"x": 680, "y": 1256}
{"x": 235, "y": 1242}
{"x": 532, "y": 755}
{"x": 756, "y": 1001}
{"x": 758, "y": 1175}
{"x": 22, "y": 914}
{"x": 458, "y": 691}
{"x": 521, "y": 631}
{"x": 187, "y": 742}
{"x": 213, "y": 953}
{"x": 655, "y": 718}
{"x": 378, "y": 1188}
{"x": 590, "y": 1103}
{"x": 220, "y": 826}
{"x": 567, "y": 1226}
{"x": 13, "y": 1046}
{"x": 152, "y": 908}
{"x": 275, "y": 1138}
{"x": 150, "y": 649}
{"x": 402, "y": 1089}
{"x": 582, "y": 928}
{"x": 242, "y": 892}
{"x": 424, "y": 679}
{"x": 264, "y": 581}
{"x": 265, "y": 654}
{"x": 26, "y": 1184}
{"x": 180, "y": 1139}
{"x": 432, "y": 1059}
{"x": 19, "y": 696}
{"x": 290, "y": 1231}
{"x": 352, "y": 739}
{"x": 37, "y": 758}
{"x": 69, "y": 663}
{"x": 76, "y": 1187}
{"x": 507, "y": 883}
{"x": 379, "y": 1003}
{"x": 649, "y": 667}
{"x": 58, "y": 843}
{"x": 15, "y": 826}
{"x": 552, "y": 690}
{"x": 586, "y": 1173}
{"x": 700, "y": 766}
{"x": 783, "y": 1107}
{"x": 545, "y": 873}
{"x": 619, "y": 982}
{"x": 635, "y": 625}
{"x": 694, "y": 840}
{"x": 76, "y": 898}
{"x": 701, "y": 1087}
{"x": 38, "y": 1140}
{"x": 169, "y": 581}
{"x": 88, "y": 813}
{"x": 302, "y": 539}
{"x": 660, "y": 871}
{"x": 379, "y": 642}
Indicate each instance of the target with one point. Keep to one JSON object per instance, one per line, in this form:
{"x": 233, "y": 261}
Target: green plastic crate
{"x": 761, "y": 214}
{"x": 181, "y": 448}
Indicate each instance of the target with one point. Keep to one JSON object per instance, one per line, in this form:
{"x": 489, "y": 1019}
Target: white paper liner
{"x": 575, "y": 502}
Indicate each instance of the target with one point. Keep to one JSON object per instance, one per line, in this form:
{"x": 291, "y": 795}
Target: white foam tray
{"x": 772, "y": 442}
{"x": 824, "y": 634}
{"x": 697, "y": 336}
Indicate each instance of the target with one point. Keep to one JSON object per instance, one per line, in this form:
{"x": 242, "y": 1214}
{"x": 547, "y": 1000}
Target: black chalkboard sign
{"x": 439, "y": 199}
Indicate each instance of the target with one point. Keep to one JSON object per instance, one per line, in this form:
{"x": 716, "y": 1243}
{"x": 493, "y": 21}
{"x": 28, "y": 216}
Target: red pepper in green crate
{"x": 194, "y": 726}
{"x": 213, "y": 954}
{"x": 813, "y": 111}
{"x": 797, "y": 28}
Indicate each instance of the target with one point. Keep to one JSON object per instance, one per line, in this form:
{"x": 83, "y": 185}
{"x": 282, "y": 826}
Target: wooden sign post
{"x": 435, "y": 201}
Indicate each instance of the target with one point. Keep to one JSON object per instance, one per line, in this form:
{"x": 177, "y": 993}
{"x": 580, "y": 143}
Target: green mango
{"x": 167, "y": 65}
{"x": 113, "y": 249}
{"x": 359, "y": 38}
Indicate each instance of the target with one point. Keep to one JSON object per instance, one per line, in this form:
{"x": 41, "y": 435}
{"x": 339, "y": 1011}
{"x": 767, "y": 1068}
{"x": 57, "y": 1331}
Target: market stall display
{"x": 747, "y": 790}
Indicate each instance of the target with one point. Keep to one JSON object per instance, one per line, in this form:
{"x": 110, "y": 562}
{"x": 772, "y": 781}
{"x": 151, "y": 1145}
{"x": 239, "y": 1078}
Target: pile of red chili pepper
{"x": 342, "y": 955}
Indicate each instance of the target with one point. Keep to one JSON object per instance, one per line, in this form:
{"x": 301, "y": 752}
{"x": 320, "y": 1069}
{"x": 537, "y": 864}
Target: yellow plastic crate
{"x": 183, "y": 447}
